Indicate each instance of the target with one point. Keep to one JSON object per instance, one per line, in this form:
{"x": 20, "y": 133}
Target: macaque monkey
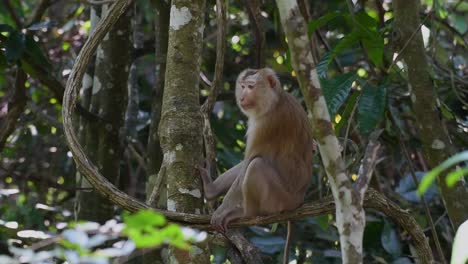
{"x": 277, "y": 168}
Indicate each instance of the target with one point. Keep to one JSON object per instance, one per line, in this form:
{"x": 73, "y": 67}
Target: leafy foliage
{"x": 336, "y": 90}
{"x": 89, "y": 242}
{"x": 371, "y": 107}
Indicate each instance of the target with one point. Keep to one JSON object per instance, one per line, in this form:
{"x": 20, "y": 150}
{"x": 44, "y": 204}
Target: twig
{"x": 368, "y": 163}
{"x": 207, "y": 107}
{"x": 137, "y": 156}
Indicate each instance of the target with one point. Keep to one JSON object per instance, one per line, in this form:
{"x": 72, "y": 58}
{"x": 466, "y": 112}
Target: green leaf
{"x": 366, "y": 26}
{"x": 322, "y": 66}
{"x": 144, "y": 218}
{"x": 36, "y": 54}
{"x": 174, "y": 235}
{"x": 323, "y": 221}
{"x": 365, "y": 21}
{"x": 14, "y": 46}
{"x": 374, "y": 44}
{"x": 371, "y": 107}
{"x": 430, "y": 177}
{"x": 144, "y": 229}
{"x": 345, "y": 43}
{"x": 347, "y": 111}
{"x": 336, "y": 91}
{"x": 455, "y": 176}
{"x": 313, "y": 25}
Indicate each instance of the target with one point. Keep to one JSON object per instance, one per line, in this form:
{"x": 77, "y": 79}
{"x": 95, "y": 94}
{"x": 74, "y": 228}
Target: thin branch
{"x": 207, "y": 107}
{"x": 372, "y": 200}
{"x": 367, "y": 167}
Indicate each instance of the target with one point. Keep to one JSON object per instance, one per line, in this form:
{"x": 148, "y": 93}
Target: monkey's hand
{"x": 204, "y": 174}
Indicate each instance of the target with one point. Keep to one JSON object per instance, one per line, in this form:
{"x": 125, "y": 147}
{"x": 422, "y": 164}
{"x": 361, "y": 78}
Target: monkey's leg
{"x": 263, "y": 191}
{"x": 231, "y": 207}
{"x": 222, "y": 184}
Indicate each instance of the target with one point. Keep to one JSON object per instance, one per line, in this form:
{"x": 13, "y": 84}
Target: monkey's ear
{"x": 271, "y": 80}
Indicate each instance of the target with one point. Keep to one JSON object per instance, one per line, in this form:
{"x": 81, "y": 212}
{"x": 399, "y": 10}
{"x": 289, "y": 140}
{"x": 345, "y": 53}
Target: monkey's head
{"x": 257, "y": 91}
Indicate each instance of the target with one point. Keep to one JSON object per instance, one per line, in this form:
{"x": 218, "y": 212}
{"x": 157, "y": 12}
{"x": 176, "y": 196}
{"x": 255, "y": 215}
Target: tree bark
{"x": 109, "y": 94}
{"x": 10, "y": 111}
{"x": 180, "y": 128}
{"x": 155, "y": 154}
{"x": 350, "y": 215}
{"x": 435, "y": 139}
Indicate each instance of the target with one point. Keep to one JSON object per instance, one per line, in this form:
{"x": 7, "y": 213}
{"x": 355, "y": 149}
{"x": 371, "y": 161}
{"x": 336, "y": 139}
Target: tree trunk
{"x": 154, "y": 146}
{"x": 109, "y": 94}
{"x": 350, "y": 215}
{"x": 181, "y": 125}
{"x": 435, "y": 140}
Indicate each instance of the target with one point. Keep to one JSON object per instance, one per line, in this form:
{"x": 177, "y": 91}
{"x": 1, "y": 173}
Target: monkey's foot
{"x": 219, "y": 223}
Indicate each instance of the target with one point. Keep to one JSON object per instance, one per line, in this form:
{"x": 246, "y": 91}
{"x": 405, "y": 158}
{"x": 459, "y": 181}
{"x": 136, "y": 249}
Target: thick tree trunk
{"x": 154, "y": 147}
{"x": 181, "y": 124}
{"x": 109, "y": 94}
{"x": 434, "y": 137}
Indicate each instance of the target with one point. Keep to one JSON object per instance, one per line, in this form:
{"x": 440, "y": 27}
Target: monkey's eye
{"x": 250, "y": 86}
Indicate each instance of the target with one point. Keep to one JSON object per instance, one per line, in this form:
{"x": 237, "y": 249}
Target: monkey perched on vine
{"x": 277, "y": 168}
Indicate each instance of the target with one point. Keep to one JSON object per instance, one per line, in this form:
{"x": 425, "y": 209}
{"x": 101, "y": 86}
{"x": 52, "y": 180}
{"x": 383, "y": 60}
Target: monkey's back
{"x": 283, "y": 137}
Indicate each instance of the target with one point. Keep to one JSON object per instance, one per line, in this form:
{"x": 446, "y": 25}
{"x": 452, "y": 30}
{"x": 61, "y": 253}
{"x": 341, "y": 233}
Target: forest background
{"x": 395, "y": 67}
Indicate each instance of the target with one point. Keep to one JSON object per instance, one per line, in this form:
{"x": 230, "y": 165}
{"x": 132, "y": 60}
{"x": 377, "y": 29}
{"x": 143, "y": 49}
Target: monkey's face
{"x": 254, "y": 93}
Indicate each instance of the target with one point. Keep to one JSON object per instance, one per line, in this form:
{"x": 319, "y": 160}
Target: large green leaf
{"x": 366, "y": 26}
{"x": 336, "y": 91}
{"x": 348, "y": 41}
{"x": 322, "y": 66}
{"x": 374, "y": 45}
{"x": 371, "y": 107}
{"x": 313, "y": 25}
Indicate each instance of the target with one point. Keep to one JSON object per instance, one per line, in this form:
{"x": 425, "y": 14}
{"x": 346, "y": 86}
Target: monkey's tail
{"x": 288, "y": 244}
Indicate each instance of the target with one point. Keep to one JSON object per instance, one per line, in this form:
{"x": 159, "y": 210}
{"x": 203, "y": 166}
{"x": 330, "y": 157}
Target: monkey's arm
{"x": 222, "y": 184}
